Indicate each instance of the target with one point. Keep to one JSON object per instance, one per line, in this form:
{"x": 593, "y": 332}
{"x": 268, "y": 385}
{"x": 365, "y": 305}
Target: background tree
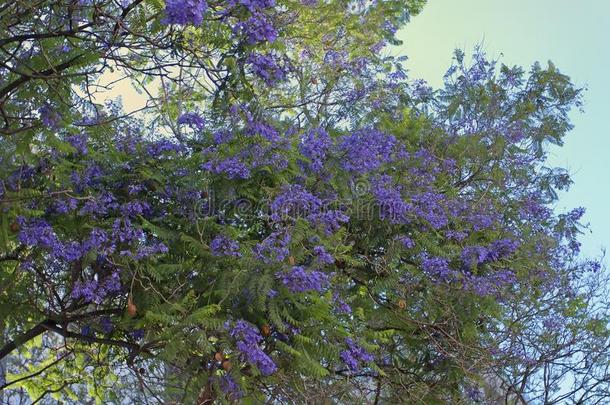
{"x": 288, "y": 219}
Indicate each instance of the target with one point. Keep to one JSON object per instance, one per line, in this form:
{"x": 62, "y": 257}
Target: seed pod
{"x": 219, "y": 356}
{"x": 266, "y": 330}
{"x": 226, "y": 364}
{"x": 132, "y": 309}
{"x": 14, "y": 227}
{"x": 291, "y": 260}
{"x": 402, "y": 304}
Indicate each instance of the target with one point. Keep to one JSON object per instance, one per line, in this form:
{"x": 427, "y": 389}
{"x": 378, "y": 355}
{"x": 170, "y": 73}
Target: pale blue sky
{"x": 575, "y": 35}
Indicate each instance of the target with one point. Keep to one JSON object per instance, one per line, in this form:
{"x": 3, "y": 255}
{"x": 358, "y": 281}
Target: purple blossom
{"x": 298, "y": 279}
{"x": 322, "y": 255}
{"x": 183, "y": 12}
{"x": 106, "y": 325}
{"x": 134, "y": 208}
{"x": 366, "y": 150}
{"x": 355, "y": 355}
{"x": 256, "y": 29}
{"x": 232, "y": 167}
{"x": 93, "y": 291}
{"x": 340, "y": 305}
{"x": 248, "y": 339}
{"x": 78, "y": 142}
{"x": 391, "y": 205}
{"x": 267, "y": 67}
{"x": 257, "y": 5}
{"x": 405, "y": 241}
{"x": 156, "y": 149}
{"x": 273, "y": 248}
{"x": 294, "y": 202}
{"x": 192, "y": 119}
{"x": 314, "y": 145}
{"x": 437, "y": 268}
{"x": 49, "y": 117}
{"x": 230, "y": 388}
{"x": 263, "y": 129}
{"x": 329, "y": 220}
{"x": 224, "y": 246}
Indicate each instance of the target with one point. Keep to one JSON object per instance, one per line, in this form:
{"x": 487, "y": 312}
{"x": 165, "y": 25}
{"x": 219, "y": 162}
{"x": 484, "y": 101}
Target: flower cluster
{"x": 475, "y": 255}
{"x": 94, "y": 291}
{"x": 183, "y": 12}
{"x": 314, "y": 145}
{"x": 224, "y": 246}
{"x": 355, "y": 355}
{"x": 192, "y": 119}
{"x": 268, "y": 67}
{"x": 294, "y": 202}
{"x": 298, "y": 279}
{"x": 248, "y": 343}
{"x": 232, "y": 167}
{"x": 257, "y": 28}
{"x": 322, "y": 256}
{"x": 274, "y": 248}
{"x": 366, "y": 150}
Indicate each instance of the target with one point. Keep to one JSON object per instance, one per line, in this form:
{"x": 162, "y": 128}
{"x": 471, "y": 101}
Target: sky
{"x": 575, "y": 35}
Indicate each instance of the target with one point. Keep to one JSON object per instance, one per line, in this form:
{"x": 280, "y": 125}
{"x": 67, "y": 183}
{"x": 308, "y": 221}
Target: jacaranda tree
{"x": 288, "y": 219}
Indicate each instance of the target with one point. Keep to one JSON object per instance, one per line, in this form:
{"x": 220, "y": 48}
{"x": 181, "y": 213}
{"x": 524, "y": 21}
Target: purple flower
{"x": 79, "y": 142}
{"x": 294, "y": 202}
{"x": 248, "y": 340}
{"x": 322, "y": 255}
{"x": 267, "y": 67}
{"x": 329, "y": 220}
{"x": 391, "y": 205}
{"x": 106, "y": 324}
{"x": 229, "y": 387}
{"x": 314, "y": 146}
{"x": 340, "y": 305}
{"x": 256, "y": 29}
{"x": 406, "y": 242}
{"x": 232, "y": 167}
{"x": 298, "y": 279}
{"x": 274, "y": 248}
{"x": 49, "y": 117}
{"x": 192, "y": 119}
{"x": 437, "y": 268}
{"x": 263, "y": 129}
{"x": 366, "y": 150}
{"x": 256, "y": 5}
{"x": 224, "y": 246}
{"x": 183, "y": 12}
{"x": 93, "y": 291}
{"x": 156, "y": 149}
{"x": 355, "y": 355}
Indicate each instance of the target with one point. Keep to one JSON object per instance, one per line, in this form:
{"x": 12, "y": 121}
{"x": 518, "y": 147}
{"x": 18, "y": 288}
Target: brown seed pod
{"x": 226, "y": 364}
{"x": 132, "y": 309}
{"x": 266, "y": 330}
{"x": 14, "y": 227}
{"x": 402, "y": 304}
{"x": 218, "y": 356}
{"x": 291, "y": 260}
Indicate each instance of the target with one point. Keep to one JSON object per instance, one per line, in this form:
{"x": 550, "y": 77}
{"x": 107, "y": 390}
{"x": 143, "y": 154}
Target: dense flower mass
{"x": 248, "y": 343}
{"x": 314, "y": 146}
{"x": 183, "y": 12}
{"x": 366, "y": 150}
{"x": 267, "y": 67}
{"x": 298, "y": 279}
{"x": 224, "y": 246}
{"x": 355, "y": 355}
